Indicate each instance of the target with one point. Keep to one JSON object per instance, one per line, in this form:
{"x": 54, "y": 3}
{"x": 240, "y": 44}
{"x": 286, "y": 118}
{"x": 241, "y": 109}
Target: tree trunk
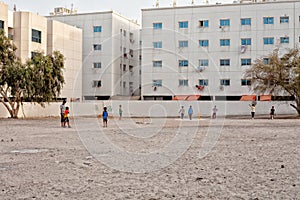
{"x": 297, "y": 107}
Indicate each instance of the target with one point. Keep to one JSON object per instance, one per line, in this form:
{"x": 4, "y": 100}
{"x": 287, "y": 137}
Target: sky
{"x": 128, "y": 8}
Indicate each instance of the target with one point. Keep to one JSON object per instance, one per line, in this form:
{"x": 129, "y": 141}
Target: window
{"x": 157, "y": 83}
{"x": 224, "y": 42}
{"x": 157, "y": 63}
{"x": 266, "y": 61}
{"x": 203, "y": 43}
{"x": 224, "y": 22}
{"x": 157, "y": 25}
{"x": 96, "y": 83}
{"x": 225, "y": 62}
{"x": 183, "y": 43}
{"x": 268, "y": 20}
{"x": 183, "y": 63}
{"x": 203, "y": 82}
{"x": 1, "y": 24}
{"x": 124, "y": 33}
{"x": 97, "y": 29}
{"x": 203, "y": 63}
{"x": 225, "y": 82}
{"x": 268, "y": 40}
{"x": 246, "y": 61}
{"x": 284, "y": 40}
{"x": 124, "y": 84}
{"x": 34, "y": 54}
{"x": 184, "y": 24}
{"x": 203, "y": 23}
{"x": 284, "y": 19}
{"x": 36, "y": 36}
{"x": 183, "y": 82}
{"x": 245, "y": 82}
{"x": 97, "y": 65}
{"x": 124, "y": 68}
{"x": 245, "y": 21}
{"x": 97, "y": 47}
{"x": 157, "y": 45}
{"x": 246, "y": 41}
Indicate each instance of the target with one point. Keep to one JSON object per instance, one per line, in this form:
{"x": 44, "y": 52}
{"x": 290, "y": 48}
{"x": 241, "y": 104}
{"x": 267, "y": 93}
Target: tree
{"x": 39, "y": 80}
{"x": 277, "y": 75}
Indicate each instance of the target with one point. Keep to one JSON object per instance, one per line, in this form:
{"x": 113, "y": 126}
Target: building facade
{"x": 204, "y": 50}
{"x": 111, "y": 61}
{"x": 32, "y": 33}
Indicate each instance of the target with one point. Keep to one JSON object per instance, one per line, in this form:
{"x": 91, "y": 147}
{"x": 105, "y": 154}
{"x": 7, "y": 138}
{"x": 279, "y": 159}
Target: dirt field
{"x": 198, "y": 159}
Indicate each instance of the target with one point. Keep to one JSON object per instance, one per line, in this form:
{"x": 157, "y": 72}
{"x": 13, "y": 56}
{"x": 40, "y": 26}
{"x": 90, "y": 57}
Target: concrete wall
{"x": 151, "y": 108}
{"x": 68, "y": 40}
{"x": 24, "y": 22}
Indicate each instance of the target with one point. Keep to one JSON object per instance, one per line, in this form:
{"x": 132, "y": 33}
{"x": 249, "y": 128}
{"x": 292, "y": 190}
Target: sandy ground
{"x": 245, "y": 159}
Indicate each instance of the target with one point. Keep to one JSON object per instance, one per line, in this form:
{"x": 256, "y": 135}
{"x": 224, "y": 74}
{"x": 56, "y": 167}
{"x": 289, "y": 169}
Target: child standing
{"x": 182, "y": 111}
{"x": 105, "y": 117}
{"x": 66, "y": 117}
{"x": 214, "y": 115}
{"x": 272, "y": 112}
{"x": 120, "y": 112}
{"x": 190, "y": 112}
{"x": 252, "y": 108}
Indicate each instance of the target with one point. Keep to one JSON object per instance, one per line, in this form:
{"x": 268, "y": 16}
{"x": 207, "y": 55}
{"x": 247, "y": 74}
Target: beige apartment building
{"x": 32, "y": 33}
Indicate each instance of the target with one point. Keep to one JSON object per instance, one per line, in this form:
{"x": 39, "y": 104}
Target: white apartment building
{"x": 32, "y": 33}
{"x": 111, "y": 53}
{"x": 210, "y": 46}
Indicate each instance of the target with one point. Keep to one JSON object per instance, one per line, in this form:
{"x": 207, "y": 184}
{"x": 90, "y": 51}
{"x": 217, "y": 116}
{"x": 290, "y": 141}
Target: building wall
{"x": 110, "y": 54}
{"x": 171, "y": 53}
{"x": 68, "y": 40}
{"x": 4, "y": 15}
{"x": 24, "y": 22}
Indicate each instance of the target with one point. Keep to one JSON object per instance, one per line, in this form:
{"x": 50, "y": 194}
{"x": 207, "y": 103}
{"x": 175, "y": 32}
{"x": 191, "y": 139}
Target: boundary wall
{"x": 152, "y": 108}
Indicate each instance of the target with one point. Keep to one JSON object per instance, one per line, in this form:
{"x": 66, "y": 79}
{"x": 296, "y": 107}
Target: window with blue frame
{"x": 157, "y": 45}
{"x": 245, "y": 82}
{"x": 157, "y": 83}
{"x": 284, "y": 19}
{"x": 284, "y": 40}
{"x": 245, "y": 21}
{"x": 157, "y": 63}
{"x": 203, "y": 43}
{"x": 184, "y": 24}
{"x": 183, "y": 82}
{"x": 97, "y": 29}
{"x": 224, "y": 22}
{"x": 246, "y": 61}
{"x": 203, "y": 82}
{"x": 224, "y": 42}
{"x": 224, "y": 62}
{"x": 268, "y": 20}
{"x": 203, "y": 23}
{"x": 184, "y": 43}
{"x": 266, "y": 61}
{"x": 203, "y": 62}
{"x": 268, "y": 40}
{"x": 157, "y": 25}
{"x": 183, "y": 63}
{"x": 246, "y": 41}
{"x": 225, "y": 82}
{"x": 36, "y": 36}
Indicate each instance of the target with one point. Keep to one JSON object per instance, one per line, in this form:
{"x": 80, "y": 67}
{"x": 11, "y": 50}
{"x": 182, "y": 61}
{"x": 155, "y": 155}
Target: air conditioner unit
{"x": 200, "y": 69}
{"x": 243, "y": 48}
{"x": 221, "y": 87}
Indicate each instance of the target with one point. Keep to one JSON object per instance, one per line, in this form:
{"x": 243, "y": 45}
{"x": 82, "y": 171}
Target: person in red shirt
{"x": 66, "y": 117}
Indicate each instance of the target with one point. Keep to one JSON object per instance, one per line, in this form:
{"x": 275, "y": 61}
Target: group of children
{"x": 64, "y": 115}
{"x": 64, "y": 112}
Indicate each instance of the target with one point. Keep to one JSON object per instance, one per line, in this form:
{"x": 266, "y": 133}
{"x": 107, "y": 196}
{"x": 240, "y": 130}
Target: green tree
{"x": 39, "y": 80}
{"x": 277, "y": 75}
